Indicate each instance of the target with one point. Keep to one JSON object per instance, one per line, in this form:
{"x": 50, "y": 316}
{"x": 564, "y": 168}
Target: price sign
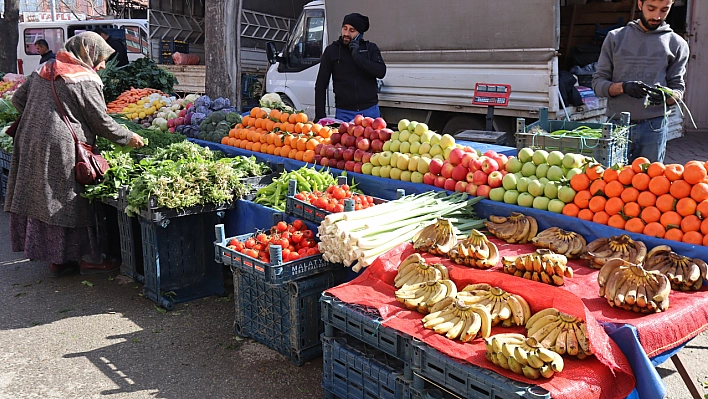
{"x": 491, "y": 94}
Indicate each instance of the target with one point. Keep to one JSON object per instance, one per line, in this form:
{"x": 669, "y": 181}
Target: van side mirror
{"x": 272, "y": 53}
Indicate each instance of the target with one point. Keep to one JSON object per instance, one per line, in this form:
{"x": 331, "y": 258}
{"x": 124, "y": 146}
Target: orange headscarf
{"x": 76, "y": 62}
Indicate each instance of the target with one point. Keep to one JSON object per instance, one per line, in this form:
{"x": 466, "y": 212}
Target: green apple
{"x": 386, "y": 171}
{"x": 421, "y": 128}
{"x": 413, "y": 163}
{"x": 447, "y": 141}
{"x": 566, "y": 194}
{"x": 555, "y": 158}
{"x": 550, "y": 190}
{"x": 543, "y": 180}
{"x": 511, "y": 196}
{"x": 513, "y": 165}
{"x": 439, "y": 156}
{"x": 387, "y": 145}
{"x": 414, "y": 138}
{"x": 573, "y": 161}
{"x": 404, "y": 136}
{"x": 425, "y": 137}
{"x": 415, "y": 148}
{"x": 394, "y": 159}
{"x": 396, "y": 174}
{"x": 385, "y": 158}
{"x": 435, "y": 139}
{"x": 436, "y": 150}
{"x": 424, "y": 165}
{"x": 542, "y": 170}
{"x": 405, "y": 147}
{"x": 447, "y": 151}
{"x": 540, "y": 156}
{"x": 525, "y": 199}
{"x": 402, "y": 161}
{"x": 555, "y": 173}
{"x": 366, "y": 168}
{"x": 522, "y": 184}
{"x": 406, "y": 175}
{"x": 395, "y": 135}
{"x": 426, "y": 155}
{"x": 535, "y": 188}
{"x": 395, "y": 145}
{"x": 424, "y": 148}
{"x": 376, "y": 171}
{"x": 509, "y": 182}
{"x": 528, "y": 169}
{"x": 417, "y": 177}
{"x": 525, "y": 155}
{"x": 572, "y": 172}
{"x": 518, "y": 175}
{"x": 556, "y": 205}
{"x": 403, "y": 124}
{"x": 375, "y": 159}
{"x": 541, "y": 203}
{"x": 497, "y": 194}
{"x": 412, "y": 125}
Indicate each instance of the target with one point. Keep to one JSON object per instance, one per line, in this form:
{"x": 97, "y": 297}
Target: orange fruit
{"x": 580, "y": 182}
{"x": 595, "y": 171}
{"x": 640, "y": 164}
{"x": 680, "y": 189}
{"x": 702, "y": 209}
{"x": 660, "y": 185}
{"x": 694, "y": 172}
{"x": 699, "y": 192}
{"x": 582, "y": 199}
{"x": 630, "y": 194}
{"x": 632, "y": 209}
{"x": 686, "y": 206}
{"x": 601, "y": 217}
{"x": 614, "y": 206}
{"x": 674, "y": 235}
{"x": 654, "y": 230}
{"x": 571, "y": 210}
{"x": 586, "y": 214}
{"x": 613, "y": 189}
{"x": 616, "y": 221}
{"x": 670, "y": 218}
{"x": 693, "y": 237}
{"x": 666, "y": 203}
{"x": 640, "y": 181}
{"x": 656, "y": 169}
{"x": 651, "y": 214}
{"x": 646, "y": 198}
{"x": 610, "y": 174}
{"x": 635, "y": 225}
{"x": 598, "y": 187}
{"x": 674, "y": 171}
{"x": 597, "y": 204}
{"x": 626, "y": 175}
{"x": 691, "y": 223}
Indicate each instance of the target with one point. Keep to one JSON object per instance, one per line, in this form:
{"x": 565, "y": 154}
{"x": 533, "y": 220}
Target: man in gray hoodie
{"x": 633, "y": 60}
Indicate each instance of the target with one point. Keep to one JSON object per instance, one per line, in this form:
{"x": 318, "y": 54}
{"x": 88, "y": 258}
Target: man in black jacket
{"x": 354, "y": 65}
{"x": 117, "y": 45}
{"x": 43, "y": 49}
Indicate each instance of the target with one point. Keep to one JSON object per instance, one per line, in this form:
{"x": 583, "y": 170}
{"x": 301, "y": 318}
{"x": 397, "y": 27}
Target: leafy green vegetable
{"x": 143, "y": 72}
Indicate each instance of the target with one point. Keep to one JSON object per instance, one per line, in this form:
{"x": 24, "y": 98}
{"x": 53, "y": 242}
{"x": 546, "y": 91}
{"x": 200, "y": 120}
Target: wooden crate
{"x": 191, "y": 78}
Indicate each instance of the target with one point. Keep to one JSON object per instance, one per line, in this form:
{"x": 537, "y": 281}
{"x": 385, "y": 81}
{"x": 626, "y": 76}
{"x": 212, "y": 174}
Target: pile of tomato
{"x": 332, "y": 199}
{"x": 296, "y": 241}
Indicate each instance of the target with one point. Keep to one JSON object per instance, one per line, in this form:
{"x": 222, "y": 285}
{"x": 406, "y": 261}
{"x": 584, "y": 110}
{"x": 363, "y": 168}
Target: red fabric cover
{"x": 185, "y": 59}
{"x": 607, "y": 375}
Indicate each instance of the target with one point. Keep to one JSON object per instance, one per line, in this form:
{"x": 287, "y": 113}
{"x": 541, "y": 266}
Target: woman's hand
{"x": 136, "y": 141}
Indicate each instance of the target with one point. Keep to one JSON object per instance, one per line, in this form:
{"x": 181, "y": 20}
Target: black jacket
{"x": 353, "y": 76}
{"x": 121, "y": 52}
{"x": 49, "y": 55}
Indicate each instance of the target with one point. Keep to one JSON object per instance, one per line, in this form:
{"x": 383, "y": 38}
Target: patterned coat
{"x": 42, "y": 184}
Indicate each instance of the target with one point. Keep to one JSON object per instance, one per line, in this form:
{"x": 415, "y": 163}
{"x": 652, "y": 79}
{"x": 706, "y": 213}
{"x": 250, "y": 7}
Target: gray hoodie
{"x": 653, "y": 57}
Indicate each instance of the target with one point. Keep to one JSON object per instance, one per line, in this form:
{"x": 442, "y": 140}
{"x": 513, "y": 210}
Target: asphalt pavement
{"x": 97, "y": 337}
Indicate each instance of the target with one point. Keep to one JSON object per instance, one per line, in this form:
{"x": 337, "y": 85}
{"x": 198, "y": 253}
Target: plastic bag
{"x": 185, "y": 59}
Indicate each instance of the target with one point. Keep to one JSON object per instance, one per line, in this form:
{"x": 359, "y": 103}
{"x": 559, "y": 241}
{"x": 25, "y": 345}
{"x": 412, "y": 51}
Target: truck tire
{"x": 287, "y": 101}
{"x": 464, "y": 122}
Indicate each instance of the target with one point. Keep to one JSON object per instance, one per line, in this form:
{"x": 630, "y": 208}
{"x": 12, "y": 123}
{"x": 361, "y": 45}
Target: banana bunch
{"x": 624, "y": 247}
{"x": 437, "y": 238}
{"x": 560, "y": 332}
{"x": 631, "y": 287}
{"x": 506, "y": 309}
{"x": 568, "y": 243}
{"x": 517, "y": 228}
{"x": 415, "y": 270}
{"x": 543, "y": 266}
{"x": 422, "y": 296}
{"x": 459, "y": 320}
{"x": 476, "y": 251}
{"x": 523, "y": 356}
{"x": 685, "y": 274}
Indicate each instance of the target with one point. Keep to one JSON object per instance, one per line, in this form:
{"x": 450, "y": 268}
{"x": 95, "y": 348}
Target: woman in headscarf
{"x": 49, "y": 219}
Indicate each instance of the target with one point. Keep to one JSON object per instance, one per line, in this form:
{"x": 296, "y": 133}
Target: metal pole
{"x": 54, "y": 6}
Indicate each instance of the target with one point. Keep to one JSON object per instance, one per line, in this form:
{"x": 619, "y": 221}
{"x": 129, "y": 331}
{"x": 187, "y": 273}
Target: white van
{"x": 134, "y": 31}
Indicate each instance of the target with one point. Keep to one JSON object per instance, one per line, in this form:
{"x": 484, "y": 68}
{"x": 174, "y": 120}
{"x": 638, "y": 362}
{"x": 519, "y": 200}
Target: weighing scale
{"x": 490, "y": 95}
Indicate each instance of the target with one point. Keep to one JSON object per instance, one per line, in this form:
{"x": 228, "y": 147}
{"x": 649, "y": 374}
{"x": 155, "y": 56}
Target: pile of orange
{"x": 664, "y": 201}
{"x": 278, "y": 133}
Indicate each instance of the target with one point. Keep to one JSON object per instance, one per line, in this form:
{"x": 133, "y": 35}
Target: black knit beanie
{"x": 358, "y": 21}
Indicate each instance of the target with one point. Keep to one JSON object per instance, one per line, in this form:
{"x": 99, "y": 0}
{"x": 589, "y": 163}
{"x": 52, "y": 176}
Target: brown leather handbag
{"x": 13, "y": 128}
{"x": 90, "y": 166}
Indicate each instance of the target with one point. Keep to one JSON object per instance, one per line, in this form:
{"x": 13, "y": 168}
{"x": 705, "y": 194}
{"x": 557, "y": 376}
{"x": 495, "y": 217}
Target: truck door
{"x": 28, "y": 54}
{"x": 136, "y": 42}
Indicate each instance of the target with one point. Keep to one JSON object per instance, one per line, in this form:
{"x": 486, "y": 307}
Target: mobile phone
{"x": 358, "y": 35}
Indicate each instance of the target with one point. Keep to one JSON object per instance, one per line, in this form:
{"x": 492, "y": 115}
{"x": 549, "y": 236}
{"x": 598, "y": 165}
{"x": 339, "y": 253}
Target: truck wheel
{"x": 287, "y": 101}
{"x": 464, "y": 122}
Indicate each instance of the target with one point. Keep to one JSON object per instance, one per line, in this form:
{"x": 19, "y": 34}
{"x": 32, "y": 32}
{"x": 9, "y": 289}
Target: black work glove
{"x": 354, "y": 46}
{"x": 635, "y": 88}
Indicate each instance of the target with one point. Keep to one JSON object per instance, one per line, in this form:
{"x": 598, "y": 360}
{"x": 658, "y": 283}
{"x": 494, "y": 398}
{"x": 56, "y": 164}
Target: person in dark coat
{"x": 121, "y": 53}
{"x": 49, "y": 219}
{"x": 354, "y": 64}
{"x": 43, "y": 49}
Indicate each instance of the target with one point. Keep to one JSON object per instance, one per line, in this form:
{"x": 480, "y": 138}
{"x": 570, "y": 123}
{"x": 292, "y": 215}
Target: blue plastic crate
{"x": 178, "y": 259}
{"x": 468, "y": 380}
{"x": 285, "y": 317}
{"x": 365, "y": 327}
{"x": 352, "y": 370}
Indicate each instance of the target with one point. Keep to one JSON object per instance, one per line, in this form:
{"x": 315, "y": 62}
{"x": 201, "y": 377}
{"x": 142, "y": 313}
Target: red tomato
{"x": 233, "y": 241}
{"x": 331, "y": 207}
{"x": 330, "y": 189}
{"x": 312, "y": 251}
{"x": 238, "y": 246}
{"x": 339, "y": 208}
{"x": 283, "y": 242}
{"x": 286, "y": 254}
{"x": 282, "y": 226}
{"x": 302, "y": 251}
{"x": 294, "y": 256}
{"x": 297, "y": 236}
{"x": 301, "y": 197}
{"x": 345, "y": 187}
{"x": 261, "y": 237}
{"x": 250, "y": 243}
{"x": 292, "y": 248}
{"x": 339, "y": 193}
{"x": 309, "y": 234}
{"x": 286, "y": 234}
{"x": 298, "y": 224}
{"x": 251, "y": 252}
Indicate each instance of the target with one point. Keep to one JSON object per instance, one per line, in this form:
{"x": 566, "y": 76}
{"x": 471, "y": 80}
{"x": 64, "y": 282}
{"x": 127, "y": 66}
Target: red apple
{"x": 366, "y": 158}
{"x": 472, "y": 189}
{"x": 495, "y": 179}
{"x": 440, "y": 182}
{"x": 335, "y": 138}
{"x": 363, "y": 144}
{"x": 349, "y": 165}
{"x": 476, "y": 164}
{"x": 470, "y": 177}
{"x": 374, "y": 135}
{"x": 503, "y": 172}
{"x": 447, "y": 169}
{"x": 456, "y": 156}
{"x": 343, "y": 128}
{"x": 435, "y": 167}
{"x": 358, "y": 154}
{"x": 341, "y": 164}
{"x": 329, "y": 151}
{"x": 461, "y": 186}
{"x": 429, "y": 179}
{"x": 348, "y": 154}
{"x": 351, "y": 142}
{"x": 367, "y": 121}
{"x": 358, "y": 131}
{"x": 490, "y": 165}
{"x": 479, "y": 178}
{"x": 385, "y": 134}
{"x": 377, "y": 145}
{"x": 358, "y": 120}
{"x": 490, "y": 153}
{"x": 459, "y": 173}
{"x": 450, "y": 184}
{"x": 344, "y": 139}
{"x": 483, "y": 191}
{"x": 367, "y": 131}
{"x": 357, "y": 167}
{"x": 324, "y": 161}
{"x": 338, "y": 145}
{"x": 337, "y": 154}
{"x": 317, "y": 159}
{"x": 468, "y": 158}
{"x": 320, "y": 149}
{"x": 501, "y": 161}
{"x": 469, "y": 149}
{"x": 378, "y": 123}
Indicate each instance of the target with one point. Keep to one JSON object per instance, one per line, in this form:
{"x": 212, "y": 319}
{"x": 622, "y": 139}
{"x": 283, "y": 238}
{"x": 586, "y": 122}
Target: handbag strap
{"x": 60, "y": 107}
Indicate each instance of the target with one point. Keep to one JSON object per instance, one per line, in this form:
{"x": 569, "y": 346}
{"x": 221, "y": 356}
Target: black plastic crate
{"x": 285, "y": 317}
{"x": 178, "y": 259}
{"x": 353, "y": 370}
{"x": 364, "y": 326}
{"x": 131, "y": 247}
{"x": 154, "y": 213}
{"x": 468, "y": 380}
{"x": 108, "y": 230}
{"x": 5, "y": 159}
{"x": 175, "y": 46}
{"x": 608, "y": 150}
{"x": 4, "y": 175}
